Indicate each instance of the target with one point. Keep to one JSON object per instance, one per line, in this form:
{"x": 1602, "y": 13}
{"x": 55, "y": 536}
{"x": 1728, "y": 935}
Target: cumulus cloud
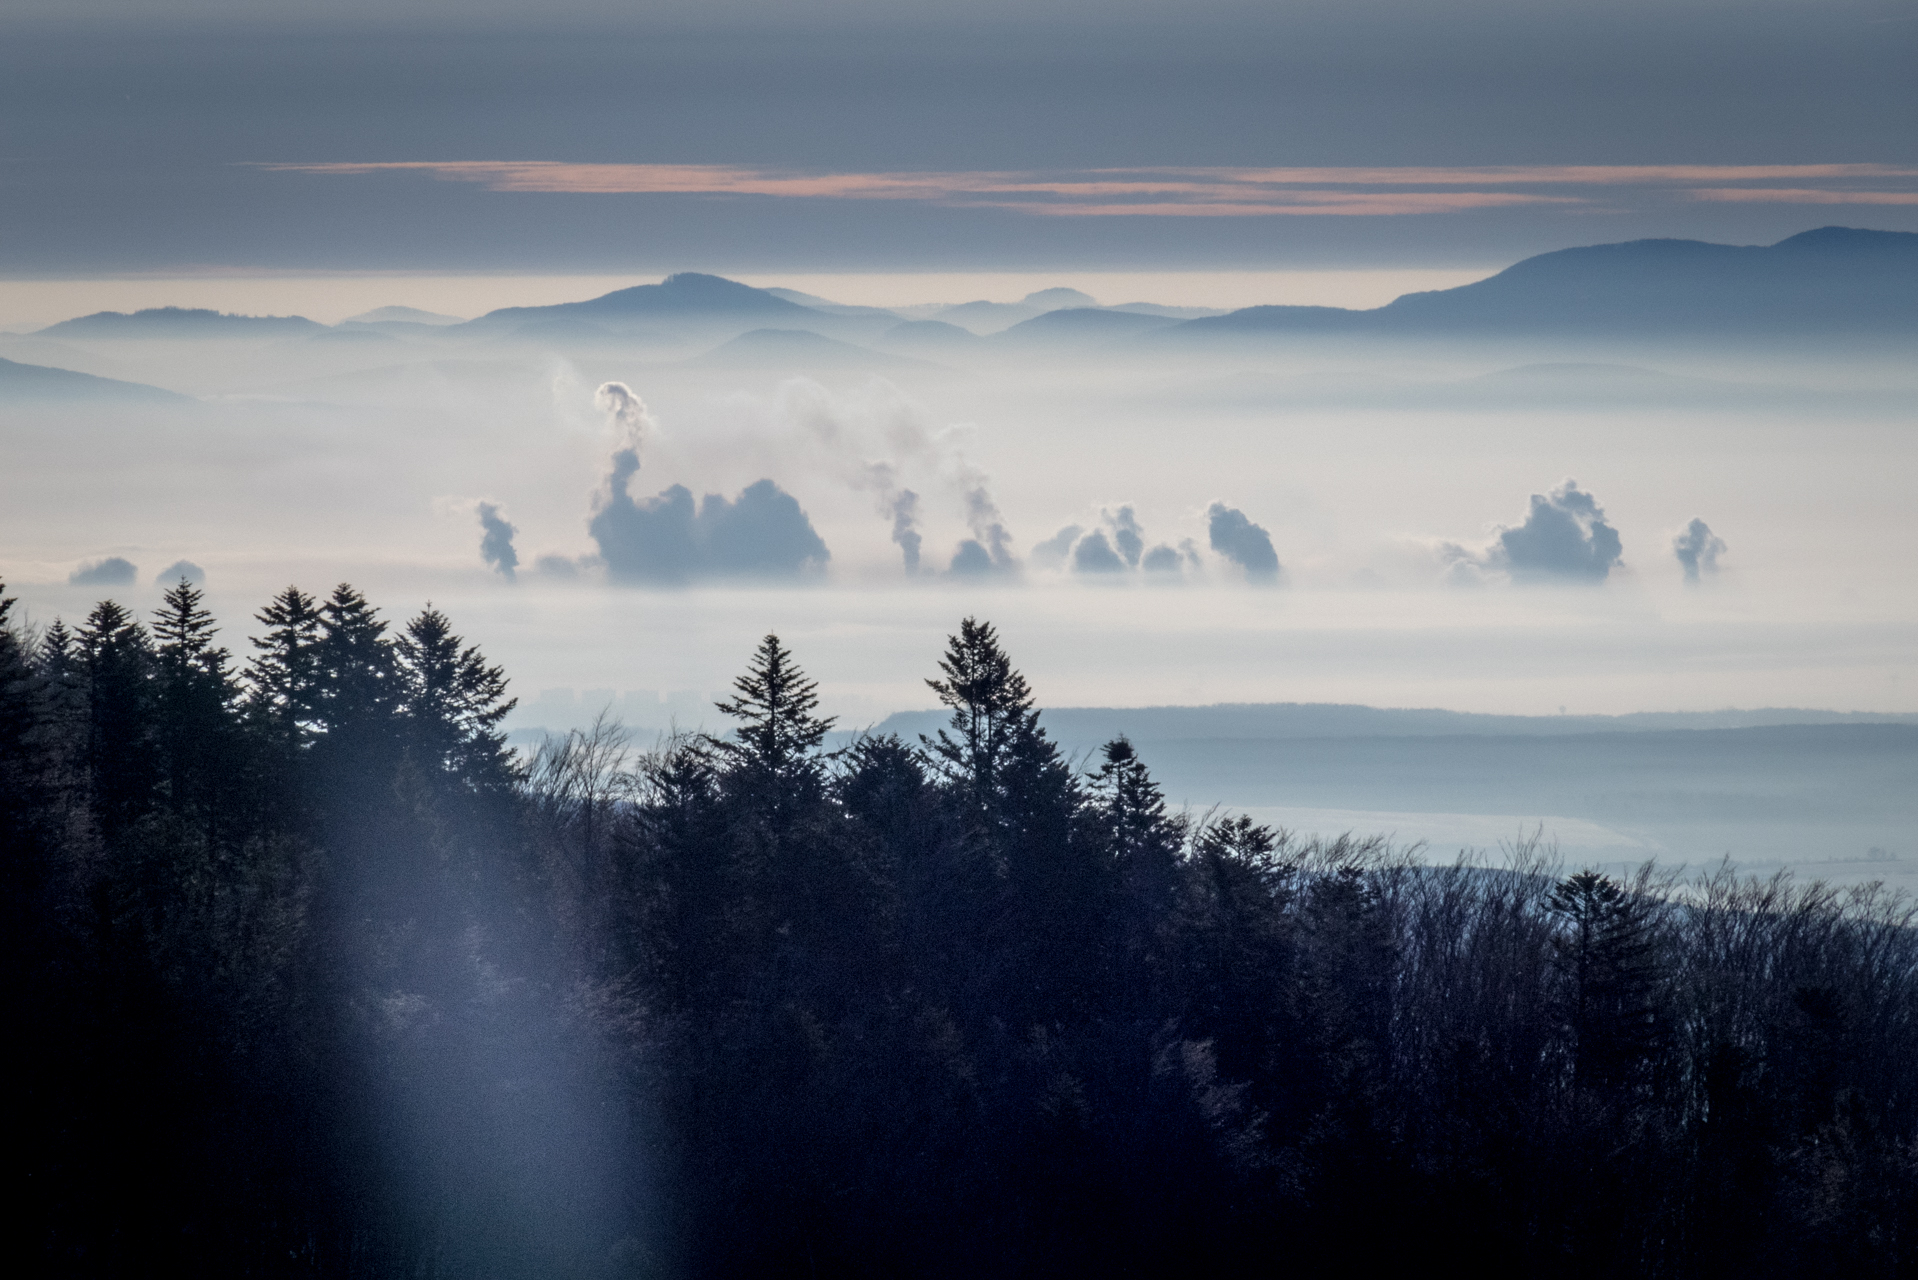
{"x": 1095, "y": 555}
{"x": 1243, "y": 543}
{"x": 668, "y": 539}
{"x": 180, "y": 569}
{"x": 554, "y": 565}
{"x": 1119, "y": 547}
{"x": 1169, "y": 559}
{"x": 496, "y": 541}
{"x": 1698, "y": 549}
{"x": 1052, "y": 553}
{"x": 1564, "y": 538}
{"x": 110, "y": 572}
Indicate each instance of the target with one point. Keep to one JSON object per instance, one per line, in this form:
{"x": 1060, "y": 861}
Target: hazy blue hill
{"x": 1058, "y": 298}
{"x": 800, "y": 351}
{"x": 36, "y": 383}
{"x": 827, "y": 305}
{"x": 181, "y": 322}
{"x": 687, "y": 295}
{"x": 1081, "y": 325}
{"x": 931, "y": 337}
{"x": 1768, "y": 786}
{"x": 1831, "y": 279}
{"x": 1798, "y": 775}
{"x": 1278, "y": 319}
{"x": 562, "y": 332}
{"x": 985, "y": 317}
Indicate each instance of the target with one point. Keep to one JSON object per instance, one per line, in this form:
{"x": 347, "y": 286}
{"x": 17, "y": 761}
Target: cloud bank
{"x": 180, "y": 569}
{"x": 110, "y": 572}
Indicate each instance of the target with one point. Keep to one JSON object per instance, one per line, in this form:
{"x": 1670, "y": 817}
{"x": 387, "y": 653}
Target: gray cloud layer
{"x": 127, "y": 133}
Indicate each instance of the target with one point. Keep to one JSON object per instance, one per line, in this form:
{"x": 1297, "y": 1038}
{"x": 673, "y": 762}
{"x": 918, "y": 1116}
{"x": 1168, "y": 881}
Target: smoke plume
{"x": 899, "y": 503}
{"x": 668, "y": 539}
{"x": 1127, "y": 537}
{"x": 496, "y": 539}
{"x": 1243, "y": 543}
{"x": 626, "y": 412}
{"x": 989, "y": 549}
{"x": 1564, "y": 537}
{"x": 1698, "y": 549}
{"x": 1095, "y": 555}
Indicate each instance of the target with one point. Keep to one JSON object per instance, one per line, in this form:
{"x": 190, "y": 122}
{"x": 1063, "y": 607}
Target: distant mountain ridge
{"x": 686, "y": 294}
{"x": 185, "y": 322}
{"x": 1833, "y": 279}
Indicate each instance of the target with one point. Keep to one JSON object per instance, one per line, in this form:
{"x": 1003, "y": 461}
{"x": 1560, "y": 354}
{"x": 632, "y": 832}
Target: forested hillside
{"x": 312, "y": 976}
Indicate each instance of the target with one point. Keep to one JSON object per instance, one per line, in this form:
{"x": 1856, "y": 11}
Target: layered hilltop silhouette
{"x": 1831, "y": 283}
{"x": 1832, "y": 278}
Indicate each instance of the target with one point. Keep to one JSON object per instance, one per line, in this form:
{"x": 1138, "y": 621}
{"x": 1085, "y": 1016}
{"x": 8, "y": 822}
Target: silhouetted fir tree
{"x": 312, "y": 977}
{"x": 116, "y": 660}
{"x": 357, "y": 685}
{"x": 25, "y": 752}
{"x": 453, "y": 702}
{"x": 283, "y": 677}
{"x": 1023, "y": 800}
{"x": 1144, "y": 843}
{"x": 992, "y": 710}
{"x": 195, "y": 695}
{"x": 1606, "y": 952}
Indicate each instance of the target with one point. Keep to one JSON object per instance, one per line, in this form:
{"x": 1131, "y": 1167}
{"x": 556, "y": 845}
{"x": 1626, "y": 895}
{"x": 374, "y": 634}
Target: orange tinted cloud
{"x": 1177, "y": 192}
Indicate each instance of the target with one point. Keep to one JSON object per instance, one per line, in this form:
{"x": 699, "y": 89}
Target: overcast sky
{"x": 215, "y": 134}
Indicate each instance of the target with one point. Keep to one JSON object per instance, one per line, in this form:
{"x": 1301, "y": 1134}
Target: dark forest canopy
{"x": 311, "y": 975}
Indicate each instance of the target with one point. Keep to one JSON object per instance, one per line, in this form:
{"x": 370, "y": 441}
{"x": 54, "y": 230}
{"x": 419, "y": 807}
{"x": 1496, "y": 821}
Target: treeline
{"x": 309, "y": 974}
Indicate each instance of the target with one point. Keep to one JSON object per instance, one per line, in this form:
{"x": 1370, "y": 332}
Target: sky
{"x": 1519, "y": 556}
{"x": 208, "y": 136}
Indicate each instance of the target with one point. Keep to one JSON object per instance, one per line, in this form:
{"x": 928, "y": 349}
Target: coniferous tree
{"x": 453, "y": 702}
{"x": 358, "y": 687}
{"x": 992, "y": 709}
{"x": 194, "y": 696}
{"x": 284, "y": 675}
{"x": 779, "y": 734}
{"x": 1606, "y": 952}
{"x": 116, "y": 660}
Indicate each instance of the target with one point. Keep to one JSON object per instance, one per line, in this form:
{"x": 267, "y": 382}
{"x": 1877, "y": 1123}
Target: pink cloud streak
{"x": 1176, "y": 192}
